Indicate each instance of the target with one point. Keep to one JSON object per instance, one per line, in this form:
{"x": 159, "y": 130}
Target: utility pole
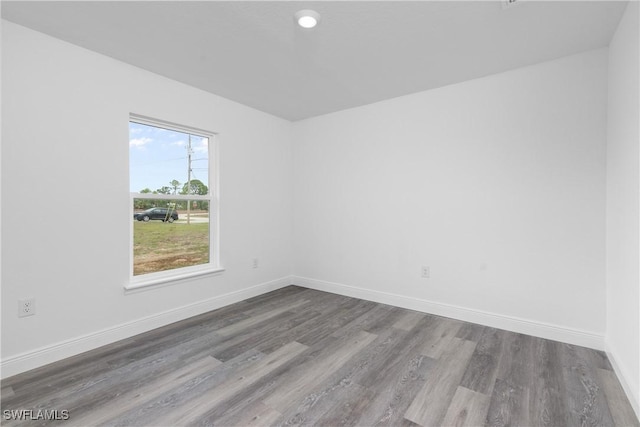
{"x": 189, "y": 181}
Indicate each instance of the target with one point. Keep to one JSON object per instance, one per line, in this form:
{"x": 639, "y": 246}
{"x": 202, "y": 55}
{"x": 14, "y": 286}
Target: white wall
{"x": 497, "y": 184}
{"x": 623, "y": 213}
{"x": 65, "y": 194}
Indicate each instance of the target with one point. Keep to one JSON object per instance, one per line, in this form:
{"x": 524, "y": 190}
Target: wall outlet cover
{"x": 26, "y": 307}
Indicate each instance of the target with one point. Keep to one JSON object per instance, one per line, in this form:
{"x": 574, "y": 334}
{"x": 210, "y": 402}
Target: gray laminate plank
{"x": 269, "y": 301}
{"x": 321, "y": 301}
{"x": 470, "y": 332}
{"x": 481, "y": 372}
{"x": 516, "y": 359}
{"x": 467, "y": 408}
{"x": 7, "y": 392}
{"x": 277, "y": 328}
{"x": 297, "y": 385}
{"x": 598, "y": 359}
{"x": 304, "y": 328}
{"x": 257, "y": 319}
{"x": 258, "y": 414}
{"x": 409, "y": 320}
{"x": 510, "y": 400}
{"x": 315, "y": 330}
{"x": 381, "y": 325}
{"x": 198, "y": 406}
{"x": 397, "y": 391}
{"x": 547, "y": 403}
{"x": 403, "y": 347}
{"x": 233, "y": 408}
{"x": 44, "y": 376}
{"x": 430, "y": 405}
{"x": 156, "y": 411}
{"x": 82, "y": 393}
{"x": 509, "y": 405}
{"x": 349, "y": 311}
{"x": 340, "y": 386}
{"x": 186, "y": 329}
{"x": 586, "y": 403}
{"x": 158, "y": 340}
{"x": 364, "y": 322}
{"x": 187, "y": 403}
{"x": 621, "y": 410}
{"x": 276, "y": 295}
{"x": 348, "y": 410}
{"x": 321, "y": 403}
{"x": 231, "y": 345}
{"x": 443, "y": 332}
{"x": 140, "y": 395}
{"x": 50, "y": 378}
{"x": 406, "y": 423}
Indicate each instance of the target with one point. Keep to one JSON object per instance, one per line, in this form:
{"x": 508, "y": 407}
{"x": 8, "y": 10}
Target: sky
{"x": 157, "y": 156}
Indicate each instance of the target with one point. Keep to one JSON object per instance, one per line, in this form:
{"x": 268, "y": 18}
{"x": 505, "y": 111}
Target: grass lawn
{"x": 159, "y": 246}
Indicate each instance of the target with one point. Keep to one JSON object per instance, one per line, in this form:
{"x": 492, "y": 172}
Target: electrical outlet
{"x": 425, "y": 272}
{"x": 26, "y": 307}
{"x": 255, "y": 263}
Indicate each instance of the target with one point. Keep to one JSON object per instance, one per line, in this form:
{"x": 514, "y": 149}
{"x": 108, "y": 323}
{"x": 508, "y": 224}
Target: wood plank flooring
{"x": 298, "y": 356}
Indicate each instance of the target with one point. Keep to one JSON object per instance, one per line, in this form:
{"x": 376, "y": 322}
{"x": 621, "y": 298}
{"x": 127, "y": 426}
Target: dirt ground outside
{"x": 160, "y": 246}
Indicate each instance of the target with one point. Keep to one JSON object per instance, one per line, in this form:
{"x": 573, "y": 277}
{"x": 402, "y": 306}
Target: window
{"x": 173, "y": 202}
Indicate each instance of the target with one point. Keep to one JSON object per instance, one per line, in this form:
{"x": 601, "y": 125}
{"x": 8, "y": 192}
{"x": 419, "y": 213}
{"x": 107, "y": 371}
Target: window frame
{"x": 169, "y": 277}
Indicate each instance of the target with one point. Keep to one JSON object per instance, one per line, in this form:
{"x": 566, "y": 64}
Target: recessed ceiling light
{"x": 307, "y": 18}
{"x": 510, "y": 3}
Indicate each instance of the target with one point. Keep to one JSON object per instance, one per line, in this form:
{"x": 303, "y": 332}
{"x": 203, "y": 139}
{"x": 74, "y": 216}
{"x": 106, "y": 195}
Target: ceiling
{"x": 362, "y": 52}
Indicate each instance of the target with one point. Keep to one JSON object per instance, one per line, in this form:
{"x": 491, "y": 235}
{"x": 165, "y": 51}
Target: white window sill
{"x": 154, "y": 281}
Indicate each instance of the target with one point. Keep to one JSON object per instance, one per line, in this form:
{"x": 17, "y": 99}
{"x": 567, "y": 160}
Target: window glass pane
{"x": 167, "y": 235}
{"x": 167, "y": 161}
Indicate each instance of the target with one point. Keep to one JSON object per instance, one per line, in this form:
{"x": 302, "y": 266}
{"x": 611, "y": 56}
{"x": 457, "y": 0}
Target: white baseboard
{"x": 633, "y": 394}
{"x": 510, "y": 323}
{"x": 33, "y": 359}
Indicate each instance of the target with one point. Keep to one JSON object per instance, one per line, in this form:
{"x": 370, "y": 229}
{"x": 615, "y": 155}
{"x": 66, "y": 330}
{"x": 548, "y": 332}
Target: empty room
{"x": 332, "y": 213}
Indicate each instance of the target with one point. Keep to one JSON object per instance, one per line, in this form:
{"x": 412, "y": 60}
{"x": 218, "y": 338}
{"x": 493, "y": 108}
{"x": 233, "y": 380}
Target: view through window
{"x": 171, "y": 197}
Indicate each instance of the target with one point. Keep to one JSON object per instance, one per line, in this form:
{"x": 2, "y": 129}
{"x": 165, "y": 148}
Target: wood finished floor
{"x": 302, "y": 357}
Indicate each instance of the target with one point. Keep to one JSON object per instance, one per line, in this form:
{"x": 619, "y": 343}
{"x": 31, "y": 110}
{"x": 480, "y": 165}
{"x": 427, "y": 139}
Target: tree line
{"x": 196, "y": 187}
